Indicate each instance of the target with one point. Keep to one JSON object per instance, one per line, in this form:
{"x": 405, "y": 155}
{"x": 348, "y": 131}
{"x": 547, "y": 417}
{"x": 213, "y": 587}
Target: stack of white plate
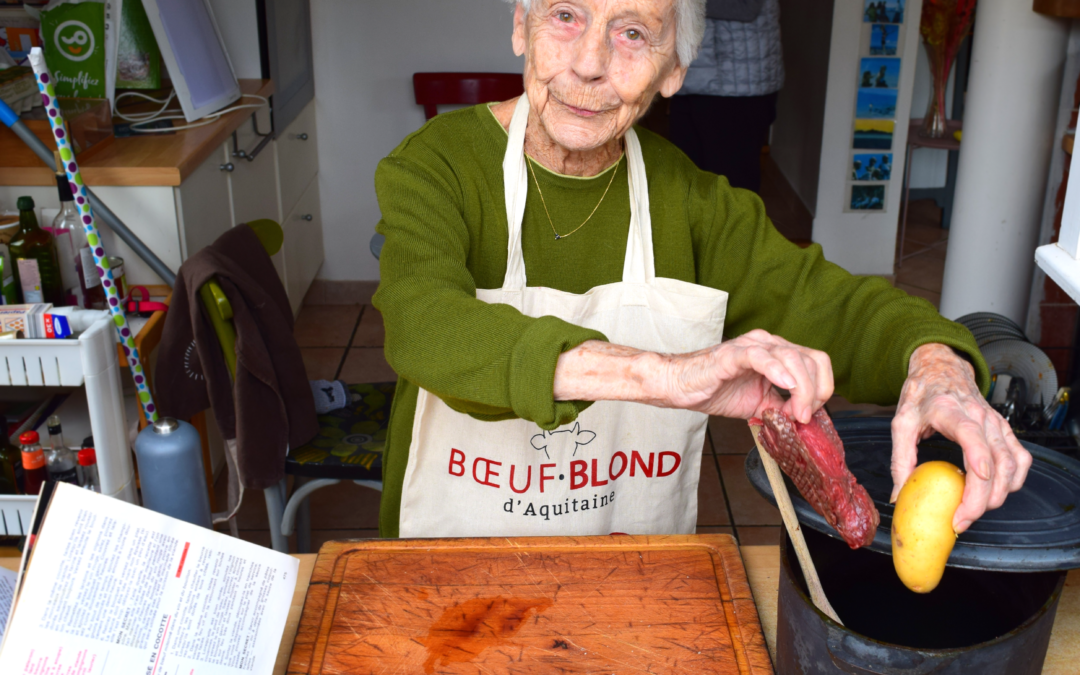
{"x": 1008, "y": 352}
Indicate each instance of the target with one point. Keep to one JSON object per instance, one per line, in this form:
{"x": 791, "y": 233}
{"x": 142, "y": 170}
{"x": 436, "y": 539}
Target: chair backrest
{"x": 433, "y": 89}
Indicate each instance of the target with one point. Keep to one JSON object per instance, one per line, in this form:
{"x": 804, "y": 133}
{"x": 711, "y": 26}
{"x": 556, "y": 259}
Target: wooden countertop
{"x": 763, "y": 570}
{"x": 148, "y": 159}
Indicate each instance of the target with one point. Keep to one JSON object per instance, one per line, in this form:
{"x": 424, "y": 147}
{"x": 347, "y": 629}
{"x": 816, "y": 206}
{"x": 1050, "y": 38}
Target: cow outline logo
{"x": 581, "y": 437}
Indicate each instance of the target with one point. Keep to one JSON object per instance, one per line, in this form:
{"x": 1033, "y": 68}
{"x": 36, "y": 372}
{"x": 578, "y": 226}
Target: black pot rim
{"x": 785, "y": 567}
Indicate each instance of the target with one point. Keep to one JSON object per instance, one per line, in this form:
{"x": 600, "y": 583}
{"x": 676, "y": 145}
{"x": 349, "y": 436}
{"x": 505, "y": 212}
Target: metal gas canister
{"x": 171, "y": 474}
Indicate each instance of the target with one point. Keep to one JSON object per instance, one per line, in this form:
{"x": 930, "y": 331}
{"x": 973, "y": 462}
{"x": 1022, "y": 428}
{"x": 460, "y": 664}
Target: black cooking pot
{"x": 976, "y": 621}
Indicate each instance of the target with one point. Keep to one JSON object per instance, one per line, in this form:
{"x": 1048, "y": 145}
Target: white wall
{"x": 1058, "y": 158}
{"x": 863, "y": 242}
{"x": 805, "y": 29}
{"x": 239, "y": 25}
{"x": 365, "y": 54}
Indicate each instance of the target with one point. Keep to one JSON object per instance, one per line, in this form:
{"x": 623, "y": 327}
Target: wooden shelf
{"x": 1069, "y": 9}
{"x": 158, "y": 159}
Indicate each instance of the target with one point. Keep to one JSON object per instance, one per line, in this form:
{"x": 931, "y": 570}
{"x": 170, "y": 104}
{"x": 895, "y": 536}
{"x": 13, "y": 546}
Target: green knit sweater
{"x": 443, "y": 214}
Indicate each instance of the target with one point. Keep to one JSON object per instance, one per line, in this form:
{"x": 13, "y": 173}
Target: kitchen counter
{"x": 144, "y": 159}
{"x": 763, "y": 570}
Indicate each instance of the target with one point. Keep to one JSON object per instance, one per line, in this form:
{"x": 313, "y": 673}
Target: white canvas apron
{"x": 621, "y": 467}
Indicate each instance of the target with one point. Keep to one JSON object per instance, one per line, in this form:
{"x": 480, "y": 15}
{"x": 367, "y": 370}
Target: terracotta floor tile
{"x": 730, "y": 437}
{"x": 758, "y": 536}
{"x": 318, "y": 537}
{"x": 366, "y": 364}
{"x": 922, "y": 272}
{"x": 322, "y": 363}
{"x": 702, "y": 529}
{"x": 370, "y": 332}
{"x": 345, "y": 506}
{"x": 712, "y": 508}
{"x": 747, "y": 506}
{"x": 934, "y": 298}
{"x": 326, "y": 326}
{"x": 707, "y": 447}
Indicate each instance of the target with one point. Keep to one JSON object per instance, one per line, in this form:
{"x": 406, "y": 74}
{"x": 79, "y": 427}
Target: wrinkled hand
{"x": 940, "y": 394}
{"x": 735, "y": 378}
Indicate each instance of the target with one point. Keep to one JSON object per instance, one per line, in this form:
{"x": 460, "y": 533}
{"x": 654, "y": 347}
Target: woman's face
{"x": 593, "y": 66}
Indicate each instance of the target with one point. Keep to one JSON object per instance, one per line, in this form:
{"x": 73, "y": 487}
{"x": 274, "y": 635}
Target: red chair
{"x": 434, "y": 89}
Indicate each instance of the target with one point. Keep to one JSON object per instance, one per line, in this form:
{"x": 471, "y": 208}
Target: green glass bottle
{"x": 11, "y": 467}
{"x": 33, "y": 256}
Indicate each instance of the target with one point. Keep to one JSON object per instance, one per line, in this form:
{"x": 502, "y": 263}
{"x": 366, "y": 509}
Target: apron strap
{"x": 516, "y": 189}
{"x": 639, "y": 265}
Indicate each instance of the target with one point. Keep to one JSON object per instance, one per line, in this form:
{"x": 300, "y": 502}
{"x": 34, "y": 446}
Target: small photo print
{"x": 876, "y": 104}
{"x": 884, "y": 39}
{"x": 873, "y": 134}
{"x": 872, "y": 166}
{"x": 876, "y": 72}
{"x": 867, "y": 197}
{"x": 883, "y": 11}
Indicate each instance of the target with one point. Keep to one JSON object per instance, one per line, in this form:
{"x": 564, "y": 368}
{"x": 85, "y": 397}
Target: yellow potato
{"x": 922, "y": 531}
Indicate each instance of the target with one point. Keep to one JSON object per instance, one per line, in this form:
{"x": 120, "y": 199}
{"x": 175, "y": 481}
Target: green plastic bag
{"x": 74, "y": 37}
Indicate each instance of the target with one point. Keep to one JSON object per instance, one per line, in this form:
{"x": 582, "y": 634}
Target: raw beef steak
{"x": 813, "y": 457}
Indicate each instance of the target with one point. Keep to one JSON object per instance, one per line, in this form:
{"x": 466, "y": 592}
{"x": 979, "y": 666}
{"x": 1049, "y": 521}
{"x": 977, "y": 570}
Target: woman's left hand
{"x": 940, "y": 395}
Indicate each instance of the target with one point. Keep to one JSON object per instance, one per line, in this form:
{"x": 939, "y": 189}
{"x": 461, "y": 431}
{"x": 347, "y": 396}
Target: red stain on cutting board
{"x": 467, "y": 629}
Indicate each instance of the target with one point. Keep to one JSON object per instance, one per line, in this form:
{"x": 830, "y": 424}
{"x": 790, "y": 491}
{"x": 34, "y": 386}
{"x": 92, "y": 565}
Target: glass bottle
{"x": 70, "y": 237}
{"x": 33, "y": 256}
{"x": 10, "y": 458}
{"x": 89, "y": 478}
{"x": 59, "y": 458}
{"x": 33, "y": 458}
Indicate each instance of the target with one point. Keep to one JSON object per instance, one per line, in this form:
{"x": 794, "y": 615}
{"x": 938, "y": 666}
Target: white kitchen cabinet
{"x": 203, "y": 205}
{"x": 303, "y": 246}
{"x": 297, "y": 157}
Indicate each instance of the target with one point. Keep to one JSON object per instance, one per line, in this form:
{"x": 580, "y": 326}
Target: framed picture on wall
{"x": 867, "y": 198}
{"x": 873, "y": 134}
{"x": 884, "y": 39}
{"x": 883, "y": 11}
{"x": 876, "y": 72}
{"x": 876, "y": 104}
{"x": 871, "y": 166}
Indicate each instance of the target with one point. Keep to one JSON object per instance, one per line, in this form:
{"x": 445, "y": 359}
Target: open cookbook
{"x": 109, "y": 587}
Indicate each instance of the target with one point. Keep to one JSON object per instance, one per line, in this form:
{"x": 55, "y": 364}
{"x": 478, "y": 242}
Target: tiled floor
{"x": 345, "y": 341}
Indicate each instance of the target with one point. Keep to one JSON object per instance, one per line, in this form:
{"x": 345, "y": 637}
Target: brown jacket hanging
{"x": 269, "y": 407}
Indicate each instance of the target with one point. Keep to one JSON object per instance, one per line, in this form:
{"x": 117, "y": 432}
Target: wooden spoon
{"x": 791, "y": 521}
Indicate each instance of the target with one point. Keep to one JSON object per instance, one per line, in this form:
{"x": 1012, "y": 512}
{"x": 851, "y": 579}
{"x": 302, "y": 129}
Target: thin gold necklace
{"x": 562, "y": 236}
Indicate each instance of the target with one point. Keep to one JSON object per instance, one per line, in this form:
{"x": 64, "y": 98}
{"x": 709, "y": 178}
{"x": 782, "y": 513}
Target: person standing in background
{"x": 721, "y": 116}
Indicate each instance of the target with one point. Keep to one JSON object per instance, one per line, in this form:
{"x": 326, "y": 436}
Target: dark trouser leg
{"x": 724, "y": 134}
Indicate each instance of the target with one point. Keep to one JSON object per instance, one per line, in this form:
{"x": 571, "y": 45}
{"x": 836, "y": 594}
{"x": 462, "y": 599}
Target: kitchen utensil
{"x": 791, "y": 522}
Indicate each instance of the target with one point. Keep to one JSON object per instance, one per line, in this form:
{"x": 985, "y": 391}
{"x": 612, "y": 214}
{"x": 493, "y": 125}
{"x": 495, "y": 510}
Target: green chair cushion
{"x": 351, "y": 440}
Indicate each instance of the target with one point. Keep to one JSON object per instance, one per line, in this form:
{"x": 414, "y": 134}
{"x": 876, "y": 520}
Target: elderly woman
{"x": 556, "y": 284}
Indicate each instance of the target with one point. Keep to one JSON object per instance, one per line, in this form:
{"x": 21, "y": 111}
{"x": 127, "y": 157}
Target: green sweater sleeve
{"x": 487, "y": 360}
{"x": 868, "y": 328}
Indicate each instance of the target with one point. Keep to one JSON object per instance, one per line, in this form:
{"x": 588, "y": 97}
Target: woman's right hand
{"x": 732, "y": 379}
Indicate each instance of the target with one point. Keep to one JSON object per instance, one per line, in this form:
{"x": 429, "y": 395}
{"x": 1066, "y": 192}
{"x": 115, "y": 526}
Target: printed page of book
{"x": 8, "y": 580}
{"x": 114, "y": 588}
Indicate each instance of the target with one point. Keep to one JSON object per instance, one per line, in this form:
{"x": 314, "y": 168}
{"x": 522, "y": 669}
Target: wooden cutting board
{"x": 612, "y": 604}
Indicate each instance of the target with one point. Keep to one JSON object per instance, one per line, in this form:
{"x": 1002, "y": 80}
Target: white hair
{"x": 689, "y": 26}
